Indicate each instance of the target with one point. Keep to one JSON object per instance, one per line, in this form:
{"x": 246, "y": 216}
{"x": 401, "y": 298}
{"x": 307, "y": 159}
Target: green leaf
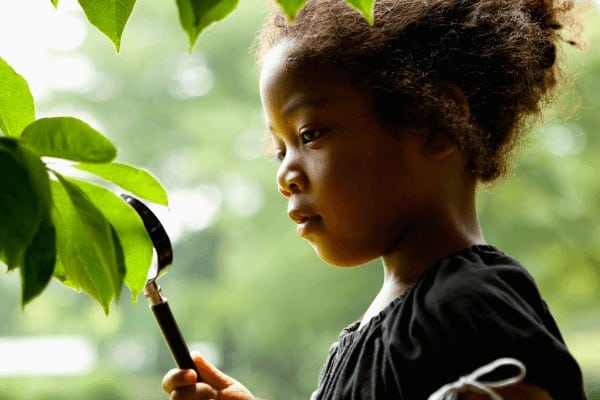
{"x": 40, "y": 258}
{"x": 137, "y": 181}
{"x": 128, "y": 226}
{"x": 365, "y": 7}
{"x": 89, "y": 253}
{"x": 69, "y": 138}
{"x": 109, "y": 16}
{"x": 16, "y": 103}
{"x": 24, "y": 199}
{"x": 291, "y": 7}
{"x": 54, "y": 3}
{"x": 196, "y": 15}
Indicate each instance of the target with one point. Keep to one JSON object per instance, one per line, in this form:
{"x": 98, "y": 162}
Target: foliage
{"x": 109, "y": 16}
{"x": 59, "y": 227}
{"x": 194, "y": 16}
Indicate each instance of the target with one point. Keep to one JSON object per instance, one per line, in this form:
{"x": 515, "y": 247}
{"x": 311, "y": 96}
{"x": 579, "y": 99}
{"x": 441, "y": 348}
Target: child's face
{"x": 355, "y": 189}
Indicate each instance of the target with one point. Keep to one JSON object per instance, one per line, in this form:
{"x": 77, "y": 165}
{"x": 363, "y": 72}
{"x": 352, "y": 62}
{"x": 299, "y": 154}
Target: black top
{"x": 472, "y": 307}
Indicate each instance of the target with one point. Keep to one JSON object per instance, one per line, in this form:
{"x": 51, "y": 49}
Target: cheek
{"x": 339, "y": 166}
{"x": 338, "y": 189}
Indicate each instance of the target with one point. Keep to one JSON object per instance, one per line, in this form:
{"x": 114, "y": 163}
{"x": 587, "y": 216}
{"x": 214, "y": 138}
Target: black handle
{"x": 172, "y": 334}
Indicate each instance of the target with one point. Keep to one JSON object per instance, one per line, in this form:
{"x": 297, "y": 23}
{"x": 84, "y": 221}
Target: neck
{"x": 426, "y": 245}
{"x": 445, "y": 231}
{"x": 451, "y": 225}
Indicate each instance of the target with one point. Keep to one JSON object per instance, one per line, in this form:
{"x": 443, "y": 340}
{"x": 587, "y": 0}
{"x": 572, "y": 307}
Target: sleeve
{"x": 462, "y": 318}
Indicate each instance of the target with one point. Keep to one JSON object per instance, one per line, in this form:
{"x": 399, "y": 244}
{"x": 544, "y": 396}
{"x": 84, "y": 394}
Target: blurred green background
{"x": 245, "y": 290}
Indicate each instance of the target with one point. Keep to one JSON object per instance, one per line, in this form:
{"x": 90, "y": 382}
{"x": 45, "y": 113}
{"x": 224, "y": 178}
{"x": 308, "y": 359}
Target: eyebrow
{"x": 302, "y": 101}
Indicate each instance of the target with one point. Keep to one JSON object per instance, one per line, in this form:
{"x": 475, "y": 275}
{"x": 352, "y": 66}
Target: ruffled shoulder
{"x": 473, "y": 307}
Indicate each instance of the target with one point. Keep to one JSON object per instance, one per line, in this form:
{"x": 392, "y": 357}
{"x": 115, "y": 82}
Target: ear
{"x": 438, "y": 144}
{"x": 453, "y": 93}
{"x": 439, "y": 141}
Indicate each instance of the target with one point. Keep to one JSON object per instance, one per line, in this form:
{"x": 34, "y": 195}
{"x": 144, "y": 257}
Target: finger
{"x": 210, "y": 374}
{"x": 176, "y": 378}
{"x": 199, "y": 391}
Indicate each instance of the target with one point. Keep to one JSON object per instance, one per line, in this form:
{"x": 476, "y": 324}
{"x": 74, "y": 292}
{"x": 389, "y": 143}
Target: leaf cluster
{"x": 111, "y": 16}
{"x": 63, "y": 226}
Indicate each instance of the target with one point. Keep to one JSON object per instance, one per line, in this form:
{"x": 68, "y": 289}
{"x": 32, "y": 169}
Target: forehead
{"x": 283, "y": 76}
{"x": 288, "y": 84}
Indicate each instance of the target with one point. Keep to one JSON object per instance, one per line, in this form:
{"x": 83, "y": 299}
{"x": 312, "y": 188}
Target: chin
{"x": 340, "y": 259}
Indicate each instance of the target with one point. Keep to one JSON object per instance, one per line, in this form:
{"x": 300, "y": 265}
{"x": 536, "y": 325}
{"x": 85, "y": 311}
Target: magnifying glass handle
{"x": 172, "y": 334}
{"x": 169, "y": 328}
{"x": 173, "y": 337}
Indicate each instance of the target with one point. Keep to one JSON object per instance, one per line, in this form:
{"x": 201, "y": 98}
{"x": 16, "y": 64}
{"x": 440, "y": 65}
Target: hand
{"x": 181, "y": 384}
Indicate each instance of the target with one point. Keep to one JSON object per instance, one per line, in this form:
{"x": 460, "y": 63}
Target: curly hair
{"x": 500, "y": 54}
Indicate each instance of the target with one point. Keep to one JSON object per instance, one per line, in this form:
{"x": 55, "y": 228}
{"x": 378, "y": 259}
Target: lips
{"x": 299, "y": 216}
{"x": 304, "y": 219}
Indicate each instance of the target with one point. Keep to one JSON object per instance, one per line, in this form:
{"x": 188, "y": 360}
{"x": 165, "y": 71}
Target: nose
{"x": 290, "y": 177}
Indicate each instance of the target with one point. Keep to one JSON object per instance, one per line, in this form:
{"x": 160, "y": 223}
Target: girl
{"x": 384, "y": 133}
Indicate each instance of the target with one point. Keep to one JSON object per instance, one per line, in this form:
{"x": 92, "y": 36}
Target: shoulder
{"x": 478, "y": 283}
{"x": 471, "y": 297}
{"x": 475, "y": 306}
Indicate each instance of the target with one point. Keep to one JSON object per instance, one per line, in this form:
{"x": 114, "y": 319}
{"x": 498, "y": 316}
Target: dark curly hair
{"x": 500, "y": 54}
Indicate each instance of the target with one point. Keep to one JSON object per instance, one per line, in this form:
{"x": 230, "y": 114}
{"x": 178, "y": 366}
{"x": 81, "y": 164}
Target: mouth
{"x": 300, "y": 217}
{"x": 304, "y": 221}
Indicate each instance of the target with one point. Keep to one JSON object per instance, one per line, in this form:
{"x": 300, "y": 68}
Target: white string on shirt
{"x": 471, "y": 383}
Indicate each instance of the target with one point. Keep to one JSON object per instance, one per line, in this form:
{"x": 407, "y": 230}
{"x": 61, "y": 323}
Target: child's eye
{"x": 310, "y": 135}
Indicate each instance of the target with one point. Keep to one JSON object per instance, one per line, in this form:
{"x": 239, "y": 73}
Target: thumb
{"x": 210, "y": 374}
